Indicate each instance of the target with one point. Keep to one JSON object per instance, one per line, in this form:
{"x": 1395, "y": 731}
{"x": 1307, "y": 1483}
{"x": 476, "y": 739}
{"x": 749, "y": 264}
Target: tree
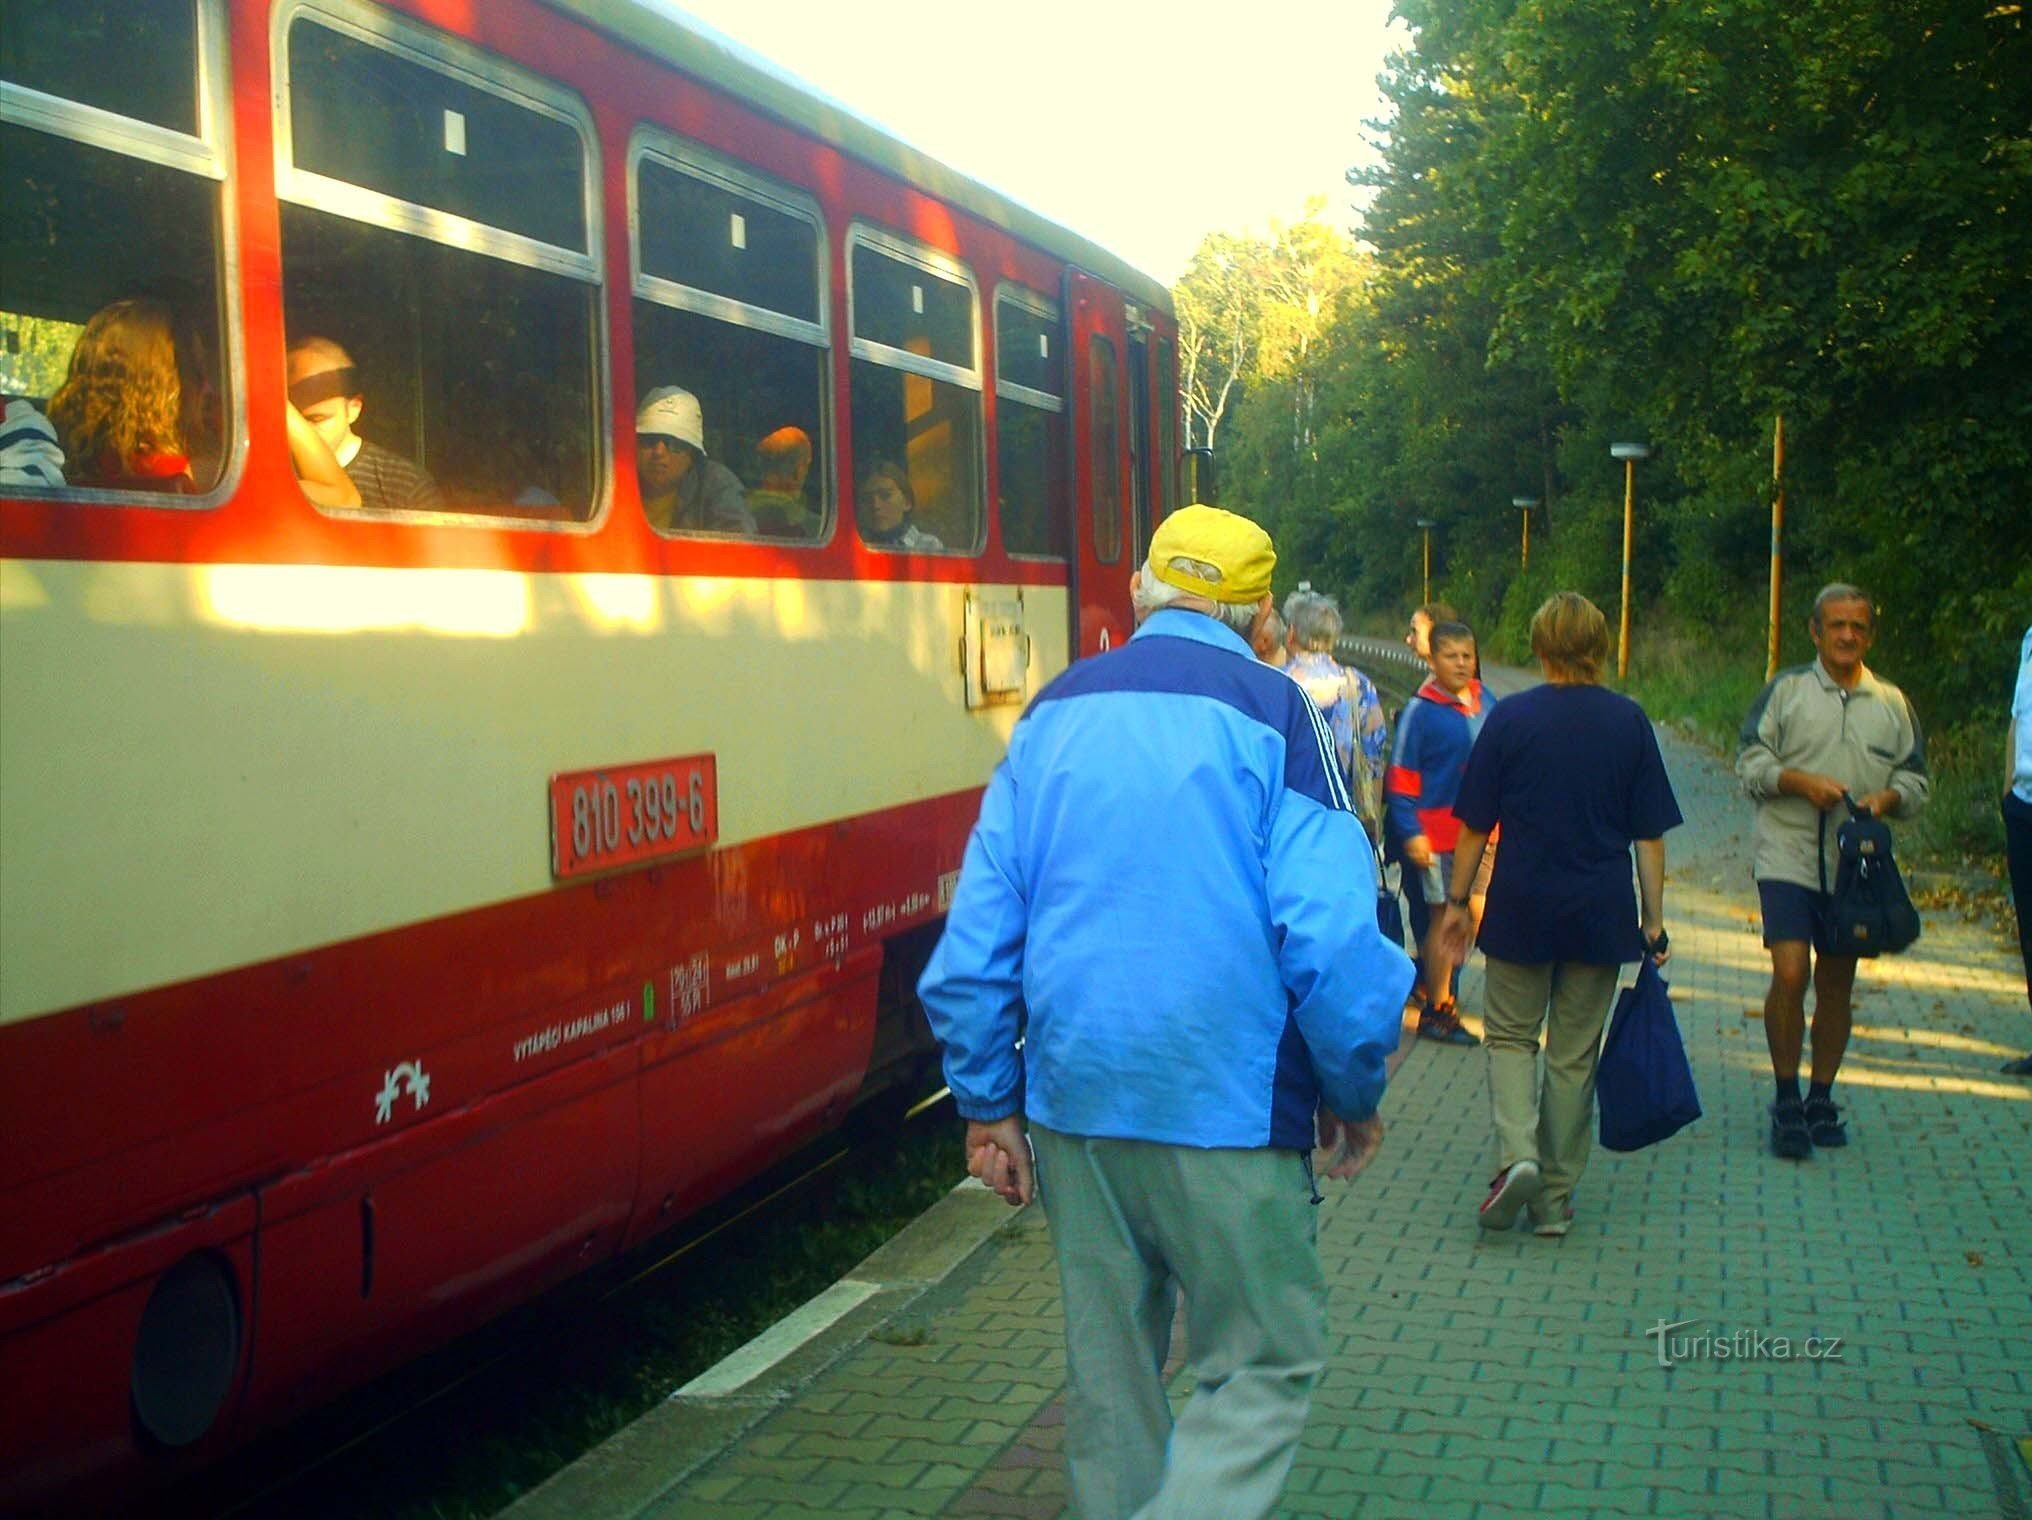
{"x": 1599, "y": 215}
{"x": 1219, "y": 311}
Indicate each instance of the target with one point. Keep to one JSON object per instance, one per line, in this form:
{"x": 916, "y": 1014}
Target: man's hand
{"x": 1879, "y": 804}
{"x": 1455, "y": 934}
{"x": 1350, "y": 1144}
{"x": 1823, "y": 792}
{"x": 999, "y": 1154}
{"x": 1418, "y": 851}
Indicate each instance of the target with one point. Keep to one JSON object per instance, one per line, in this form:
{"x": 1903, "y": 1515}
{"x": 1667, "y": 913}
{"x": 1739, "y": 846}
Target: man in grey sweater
{"x": 1816, "y": 734}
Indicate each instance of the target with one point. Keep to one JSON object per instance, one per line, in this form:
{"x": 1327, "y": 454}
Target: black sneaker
{"x": 1824, "y": 1124}
{"x": 1791, "y": 1140}
{"x": 1443, "y": 1025}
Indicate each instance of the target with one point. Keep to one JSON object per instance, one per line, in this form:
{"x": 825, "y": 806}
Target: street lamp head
{"x": 1629, "y": 451}
{"x": 1428, "y": 522}
{"x": 1524, "y": 503}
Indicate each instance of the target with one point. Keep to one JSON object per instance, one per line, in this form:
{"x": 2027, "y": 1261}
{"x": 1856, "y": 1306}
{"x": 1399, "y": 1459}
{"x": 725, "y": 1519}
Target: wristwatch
{"x": 1456, "y": 902}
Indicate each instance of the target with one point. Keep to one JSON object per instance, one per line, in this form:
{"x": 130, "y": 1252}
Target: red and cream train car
{"x": 403, "y": 907}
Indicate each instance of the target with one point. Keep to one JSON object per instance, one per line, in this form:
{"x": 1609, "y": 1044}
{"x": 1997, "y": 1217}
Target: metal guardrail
{"x": 1393, "y": 666}
{"x": 1361, "y": 649}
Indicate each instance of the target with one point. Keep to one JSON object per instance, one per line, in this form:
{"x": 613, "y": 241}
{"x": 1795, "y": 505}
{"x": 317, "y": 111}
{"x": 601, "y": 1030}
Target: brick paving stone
{"x": 768, "y": 1488}
{"x": 687, "y": 1507}
{"x": 1473, "y": 1377}
{"x": 1006, "y": 1506}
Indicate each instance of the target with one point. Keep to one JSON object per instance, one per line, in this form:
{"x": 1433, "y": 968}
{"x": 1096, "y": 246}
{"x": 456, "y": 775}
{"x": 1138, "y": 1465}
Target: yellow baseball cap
{"x": 1213, "y": 554}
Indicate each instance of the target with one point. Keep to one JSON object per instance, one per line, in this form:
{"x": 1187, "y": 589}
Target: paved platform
{"x": 1481, "y": 1377}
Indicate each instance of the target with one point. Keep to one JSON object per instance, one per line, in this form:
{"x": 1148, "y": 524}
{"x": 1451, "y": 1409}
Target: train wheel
{"x": 187, "y": 1351}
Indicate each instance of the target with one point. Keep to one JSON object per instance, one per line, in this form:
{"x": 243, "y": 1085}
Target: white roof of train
{"x": 696, "y": 49}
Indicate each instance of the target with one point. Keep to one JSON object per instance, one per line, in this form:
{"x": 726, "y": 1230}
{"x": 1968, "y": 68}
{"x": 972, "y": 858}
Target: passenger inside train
{"x": 886, "y": 507}
{"x": 119, "y": 414}
{"x": 29, "y": 452}
{"x": 325, "y": 387}
{"x": 778, "y": 500}
{"x": 681, "y": 488}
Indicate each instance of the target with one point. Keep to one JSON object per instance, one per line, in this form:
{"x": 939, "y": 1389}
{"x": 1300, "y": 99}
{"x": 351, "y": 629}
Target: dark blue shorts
{"x": 1794, "y": 912}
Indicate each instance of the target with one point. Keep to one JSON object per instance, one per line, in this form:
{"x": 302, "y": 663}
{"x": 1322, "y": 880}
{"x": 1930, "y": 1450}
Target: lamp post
{"x": 1629, "y": 453}
{"x": 1777, "y": 541}
{"x": 1524, "y": 504}
{"x": 1425, "y": 527}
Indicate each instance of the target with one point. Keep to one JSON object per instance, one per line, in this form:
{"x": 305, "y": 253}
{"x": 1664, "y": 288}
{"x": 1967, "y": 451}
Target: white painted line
{"x": 738, "y": 1369}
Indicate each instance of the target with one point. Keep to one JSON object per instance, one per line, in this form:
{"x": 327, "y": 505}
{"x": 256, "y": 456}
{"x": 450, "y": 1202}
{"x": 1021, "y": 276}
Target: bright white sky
{"x": 1202, "y": 117}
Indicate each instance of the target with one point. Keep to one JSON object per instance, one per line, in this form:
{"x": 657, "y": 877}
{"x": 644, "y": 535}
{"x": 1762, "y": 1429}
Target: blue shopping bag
{"x": 1644, "y": 1086}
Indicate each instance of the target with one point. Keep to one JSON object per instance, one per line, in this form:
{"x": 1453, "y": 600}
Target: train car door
{"x": 1142, "y": 497}
{"x": 1103, "y": 543}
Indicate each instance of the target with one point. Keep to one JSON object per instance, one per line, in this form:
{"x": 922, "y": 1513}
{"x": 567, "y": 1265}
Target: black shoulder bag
{"x": 1869, "y": 912}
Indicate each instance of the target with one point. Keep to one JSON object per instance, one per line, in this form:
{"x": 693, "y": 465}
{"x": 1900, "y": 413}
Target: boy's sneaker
{"x": 1443, "y": 1025}
{"x": 1791, "y": 1140}
{"x": 1824, "y": 1124}
{"x": 1509, "y": 1190}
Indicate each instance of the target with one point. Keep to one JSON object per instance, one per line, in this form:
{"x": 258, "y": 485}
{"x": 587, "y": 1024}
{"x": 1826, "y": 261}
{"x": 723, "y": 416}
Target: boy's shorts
{"x": 1437, "y": 876}
{"x": 1793, "y": 912}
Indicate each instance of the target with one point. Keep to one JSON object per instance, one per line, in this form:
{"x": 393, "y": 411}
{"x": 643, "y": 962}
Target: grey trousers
{"x": 1237, "y": 1232}
{"x": 1553, "y": 1124}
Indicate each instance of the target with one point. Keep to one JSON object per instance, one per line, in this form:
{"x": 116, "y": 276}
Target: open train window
{"x": 1030, "y": 468}
{"x": 731, "y": 343}
{"x": 916, "y": 377}
{"x": 116, "y": 355}
{"x": 440, "y": 268}
{"x": 1104, "y": 462}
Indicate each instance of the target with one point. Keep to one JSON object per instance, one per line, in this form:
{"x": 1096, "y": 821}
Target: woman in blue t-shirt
{"x": 1573, "y": 774}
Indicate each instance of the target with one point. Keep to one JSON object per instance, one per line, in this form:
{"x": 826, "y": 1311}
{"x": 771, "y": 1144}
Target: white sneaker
{"x": 1509, "y": 1190}
{"x": 1551, "y": 1228}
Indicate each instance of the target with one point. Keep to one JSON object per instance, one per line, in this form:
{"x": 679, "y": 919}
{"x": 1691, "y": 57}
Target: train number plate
{"x": 624, "y": 814}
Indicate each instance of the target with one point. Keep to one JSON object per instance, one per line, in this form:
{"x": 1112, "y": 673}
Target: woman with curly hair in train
{"x": 118, "y": 413}
{"x": 127, "y": 410}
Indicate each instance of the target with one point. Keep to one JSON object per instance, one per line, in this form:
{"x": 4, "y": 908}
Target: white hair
{"x": 1316, "y": 620}
{"x": 1152, "y": 593}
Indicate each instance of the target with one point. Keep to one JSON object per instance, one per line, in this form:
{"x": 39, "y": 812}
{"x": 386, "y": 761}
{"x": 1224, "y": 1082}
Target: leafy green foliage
{"x": 1608, "y": 219}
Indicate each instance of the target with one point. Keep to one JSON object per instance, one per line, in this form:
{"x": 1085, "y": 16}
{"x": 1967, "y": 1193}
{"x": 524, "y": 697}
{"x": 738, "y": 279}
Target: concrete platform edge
{"x": 644, "y": 1461}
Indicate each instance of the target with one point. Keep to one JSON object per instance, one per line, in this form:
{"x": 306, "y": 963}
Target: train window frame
{"x": 207, "y": 154}
{"x": 1044, "y": 307}
{"x": 442, "y": 52}
{"x": 1167, "y": 425}
{"x": 669, "y": 150}
{"x": 937, "y": 262}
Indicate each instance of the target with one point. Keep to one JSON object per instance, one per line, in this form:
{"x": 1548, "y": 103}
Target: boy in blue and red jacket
{"x": 1434, "y": 734}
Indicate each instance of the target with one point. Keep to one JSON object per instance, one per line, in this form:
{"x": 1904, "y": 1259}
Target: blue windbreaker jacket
{"x": 1167, "y": 882}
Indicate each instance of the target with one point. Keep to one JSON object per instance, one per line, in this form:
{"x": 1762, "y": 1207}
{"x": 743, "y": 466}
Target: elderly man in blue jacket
{"x": 1170, "y": 901}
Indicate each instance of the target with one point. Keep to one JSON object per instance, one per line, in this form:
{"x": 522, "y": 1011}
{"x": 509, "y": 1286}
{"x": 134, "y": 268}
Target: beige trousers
{"x": 1552, "y": 1123}
{"x": 1133, "y": 1225}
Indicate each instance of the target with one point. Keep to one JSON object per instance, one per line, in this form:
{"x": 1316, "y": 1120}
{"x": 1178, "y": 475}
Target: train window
{"x": 731, "y": 345}
{"x": 1104, "y": 465}
{"x": 704, "y": 229}
{"x": 441, "y": 269}
{"x": 1139, "y": 445}
{"x": 137, "y": 61}
{"x": 916, "y": 396}
{"x": 1167, "y": 427}
{"x": 1030, "y": 470}
{"x": 112, "y": 327}
{"x": 363, "y": 115}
